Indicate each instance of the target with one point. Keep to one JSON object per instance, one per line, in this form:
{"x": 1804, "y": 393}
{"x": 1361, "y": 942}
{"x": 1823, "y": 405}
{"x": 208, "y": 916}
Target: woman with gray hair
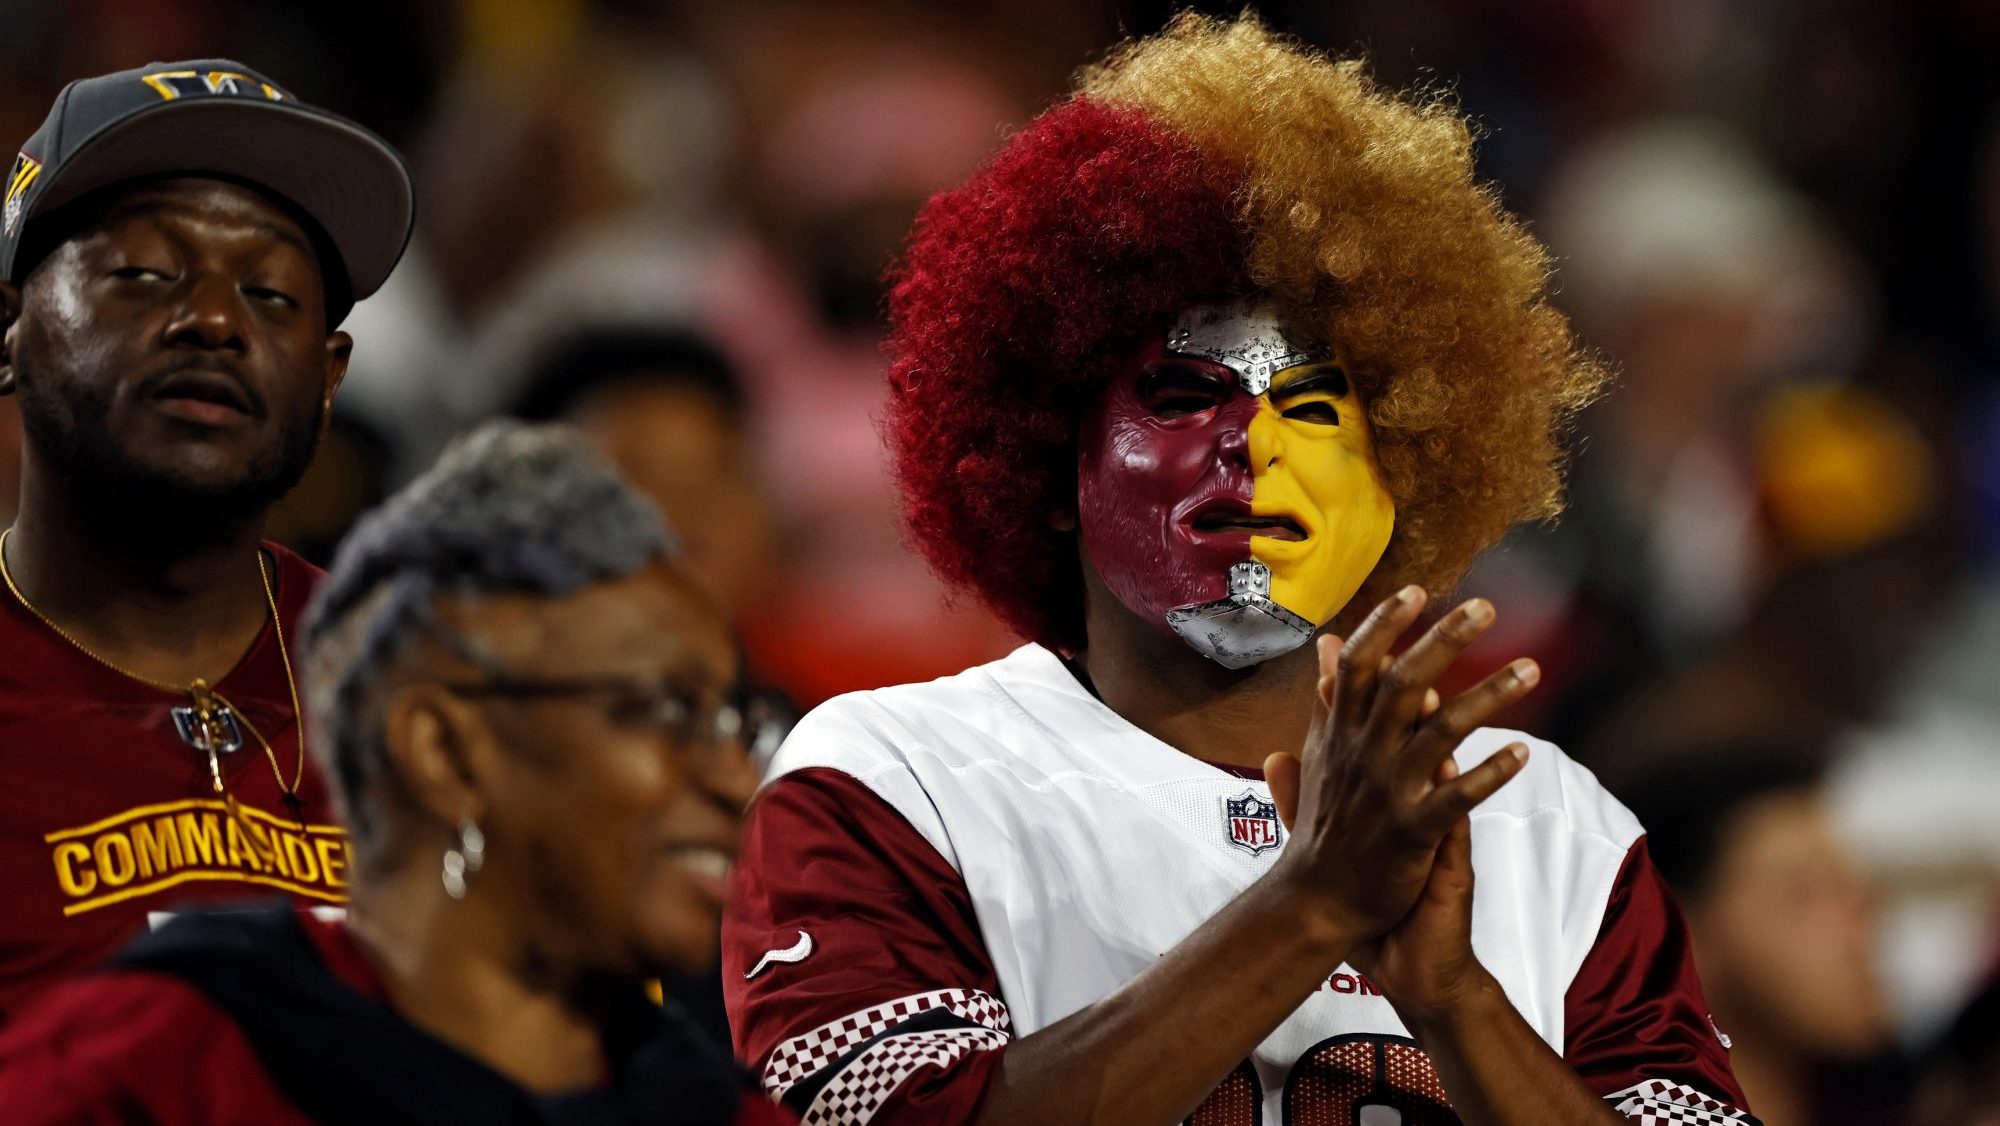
{"x": 523, "y": 703}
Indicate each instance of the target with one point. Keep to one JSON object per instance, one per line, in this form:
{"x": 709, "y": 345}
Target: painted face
{"x": 1227, "y": 485}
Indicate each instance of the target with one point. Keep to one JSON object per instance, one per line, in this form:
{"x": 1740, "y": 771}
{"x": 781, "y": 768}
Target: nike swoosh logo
{"x": 796, "y": 952}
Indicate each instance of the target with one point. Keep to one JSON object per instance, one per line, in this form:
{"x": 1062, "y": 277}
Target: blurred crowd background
{"x": 1770, "y": 621}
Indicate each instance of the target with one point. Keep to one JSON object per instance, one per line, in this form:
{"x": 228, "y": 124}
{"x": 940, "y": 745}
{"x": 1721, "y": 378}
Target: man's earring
{"x": 464, "y": 860}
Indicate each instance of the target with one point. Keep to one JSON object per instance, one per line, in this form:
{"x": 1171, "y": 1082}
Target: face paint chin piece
{"x": 1244, "y": 629}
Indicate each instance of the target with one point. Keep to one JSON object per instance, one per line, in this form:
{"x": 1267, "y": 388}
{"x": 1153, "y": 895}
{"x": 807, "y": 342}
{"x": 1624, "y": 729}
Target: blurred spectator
{"x": 598, "y": 144}
{"x": 1708, "y": 282}
{"x": 1782, "y": 923}
{"x": 1916, "y": 794}
{"x": 1848, "y": 562}
{"x": 349, "y": 475}
{"x": 668, "y": 410}
{"x": 1712, "y": 287}
{"x": 547, "y": 144}
{"x": 846, "y": 150}
{"x": 1960, "y": 1082}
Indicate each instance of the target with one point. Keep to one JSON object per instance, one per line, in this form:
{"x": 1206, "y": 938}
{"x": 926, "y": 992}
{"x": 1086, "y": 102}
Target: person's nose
{"x": 210, "y": 317}
{"x": 728, "y": 775}
{"x": 1266, "y": 444}
{"x": 1233, "y": 443}
{"x": 1234, "y": 446}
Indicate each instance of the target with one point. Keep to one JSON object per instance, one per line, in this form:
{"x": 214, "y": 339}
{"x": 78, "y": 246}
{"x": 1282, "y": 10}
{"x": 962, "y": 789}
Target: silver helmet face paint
{"x": 1246, "y": 628}
{"x": 1244, "y": 336}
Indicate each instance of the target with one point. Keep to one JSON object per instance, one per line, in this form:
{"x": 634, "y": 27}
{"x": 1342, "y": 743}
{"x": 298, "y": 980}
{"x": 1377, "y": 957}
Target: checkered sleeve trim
{"x": 806, "y": 1055}
{"x": 1658, "y": 1102}
{"x": 852, "y": 1097}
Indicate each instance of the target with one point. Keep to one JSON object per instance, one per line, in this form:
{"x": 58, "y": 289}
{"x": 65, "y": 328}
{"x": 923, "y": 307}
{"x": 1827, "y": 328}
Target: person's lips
{"x": 1229, "y": 516}
{"x": 205, "y": 396}
{"x": 707, "y": 865}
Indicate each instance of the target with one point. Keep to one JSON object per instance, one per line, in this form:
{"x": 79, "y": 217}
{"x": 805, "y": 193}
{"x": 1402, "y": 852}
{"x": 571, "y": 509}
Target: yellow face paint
{"x": 1312, "y": 461}
{"x": 1289, "y": 442}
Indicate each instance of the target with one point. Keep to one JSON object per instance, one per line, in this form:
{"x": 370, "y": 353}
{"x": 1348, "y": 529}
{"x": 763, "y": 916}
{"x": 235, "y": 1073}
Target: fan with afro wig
{"x": 1207, "y": 162}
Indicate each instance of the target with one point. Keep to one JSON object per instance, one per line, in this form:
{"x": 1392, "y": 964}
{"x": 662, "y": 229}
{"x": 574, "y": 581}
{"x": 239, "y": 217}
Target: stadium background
{"x": 1780, "y": 218}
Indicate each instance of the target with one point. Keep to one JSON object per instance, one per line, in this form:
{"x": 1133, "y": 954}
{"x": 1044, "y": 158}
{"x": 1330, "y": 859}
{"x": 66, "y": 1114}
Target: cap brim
{"x": 348, "y": 179}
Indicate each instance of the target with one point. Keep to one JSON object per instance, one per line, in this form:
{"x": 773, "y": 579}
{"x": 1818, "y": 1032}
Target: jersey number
{"x": 1358, "y": 1080}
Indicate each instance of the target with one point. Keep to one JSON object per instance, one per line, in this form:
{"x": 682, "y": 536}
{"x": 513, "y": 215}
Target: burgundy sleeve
{"x": 124, "y": 1046}
{"x": 857, "y": 982}
{"x": 1638, "y": 1028}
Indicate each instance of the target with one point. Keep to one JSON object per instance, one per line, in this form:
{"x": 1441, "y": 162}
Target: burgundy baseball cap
{"x": 217, "y": 117}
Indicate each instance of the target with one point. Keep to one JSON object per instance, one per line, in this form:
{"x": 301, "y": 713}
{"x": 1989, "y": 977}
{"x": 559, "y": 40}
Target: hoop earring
{"x": 464, "y": 860}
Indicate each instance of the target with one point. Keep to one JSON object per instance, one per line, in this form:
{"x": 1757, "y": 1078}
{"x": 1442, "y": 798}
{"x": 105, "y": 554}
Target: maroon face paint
{"x": 1227, "y": 487}
{"x": 1162, "y": 459}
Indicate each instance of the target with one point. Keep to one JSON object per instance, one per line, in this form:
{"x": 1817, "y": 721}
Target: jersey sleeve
{"x": 1638, "y": 1028}
{"x": 123, "y": 1046}
{"x": 857, "y": 983}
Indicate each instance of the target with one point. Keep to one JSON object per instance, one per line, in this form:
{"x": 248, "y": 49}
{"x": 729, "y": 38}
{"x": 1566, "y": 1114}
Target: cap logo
{"x": 171, "y": 84}
{"x": 26, "y": 168}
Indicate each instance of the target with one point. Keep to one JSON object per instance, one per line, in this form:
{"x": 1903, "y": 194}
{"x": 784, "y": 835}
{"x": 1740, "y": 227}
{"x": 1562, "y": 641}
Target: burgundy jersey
{"x": 108, "y": 814}
{"x": 940, "y": 868}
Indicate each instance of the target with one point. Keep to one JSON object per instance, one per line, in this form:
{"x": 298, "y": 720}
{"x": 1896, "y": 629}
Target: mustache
{"x": 208, "y": 365}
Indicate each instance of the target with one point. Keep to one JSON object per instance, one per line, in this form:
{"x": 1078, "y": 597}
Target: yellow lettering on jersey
{"x": 73, "y": 882}
{"x": 332, "y": 860}
{"x": 155, "y": 847}
{"x": 241, "y": 853}
{"x": 299, "y": 854}
{"x": 113, "y": 853}
{"x": 202, "y": 833}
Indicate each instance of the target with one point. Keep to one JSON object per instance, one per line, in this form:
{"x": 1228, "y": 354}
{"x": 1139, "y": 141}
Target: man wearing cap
{"x": 178, "y": 243}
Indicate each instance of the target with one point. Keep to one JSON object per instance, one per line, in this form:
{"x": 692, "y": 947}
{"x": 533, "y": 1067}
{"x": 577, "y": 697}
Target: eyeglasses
{"x": 671, "y": 711}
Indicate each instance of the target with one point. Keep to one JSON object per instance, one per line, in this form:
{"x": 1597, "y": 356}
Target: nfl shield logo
{"x": 1253, "y": 823}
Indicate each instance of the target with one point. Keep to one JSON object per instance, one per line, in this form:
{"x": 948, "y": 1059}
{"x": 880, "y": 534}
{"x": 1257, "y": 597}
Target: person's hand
{"x": 1369, "y": 801}
{"x": 1425, "y": 964}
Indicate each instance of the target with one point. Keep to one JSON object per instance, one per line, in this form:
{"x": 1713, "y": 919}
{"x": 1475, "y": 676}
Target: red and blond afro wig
{"x": 1208, "y": 161}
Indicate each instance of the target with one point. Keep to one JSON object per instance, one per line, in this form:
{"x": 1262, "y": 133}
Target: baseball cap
{"x": 216, "y": 117}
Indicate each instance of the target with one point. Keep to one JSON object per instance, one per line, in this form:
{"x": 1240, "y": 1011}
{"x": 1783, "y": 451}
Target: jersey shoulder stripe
{"x": 843, "y": 1071}
{"x": 809, "y": 1053}
{"x": 1658, "y": 1102}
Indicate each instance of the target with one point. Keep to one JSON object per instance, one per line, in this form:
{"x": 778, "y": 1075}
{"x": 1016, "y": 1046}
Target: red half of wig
{"x": 1091, "y": 225}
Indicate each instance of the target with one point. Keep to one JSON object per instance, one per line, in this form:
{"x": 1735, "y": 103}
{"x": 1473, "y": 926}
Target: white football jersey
{"x": 1031, "y": 852}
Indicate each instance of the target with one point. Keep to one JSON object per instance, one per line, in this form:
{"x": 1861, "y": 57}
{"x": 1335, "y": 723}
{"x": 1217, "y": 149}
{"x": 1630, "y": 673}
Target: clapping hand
{"x": 1377, "y": 808}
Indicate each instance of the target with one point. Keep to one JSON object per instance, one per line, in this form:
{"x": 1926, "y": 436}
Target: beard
{"x": 67, "y": 426}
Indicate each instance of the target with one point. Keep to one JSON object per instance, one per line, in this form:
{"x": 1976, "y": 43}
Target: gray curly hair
{"x": 509, "y": 508}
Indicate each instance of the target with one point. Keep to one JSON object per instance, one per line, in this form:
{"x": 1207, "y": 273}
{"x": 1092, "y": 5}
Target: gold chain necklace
{"x": 206, "y": 723}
